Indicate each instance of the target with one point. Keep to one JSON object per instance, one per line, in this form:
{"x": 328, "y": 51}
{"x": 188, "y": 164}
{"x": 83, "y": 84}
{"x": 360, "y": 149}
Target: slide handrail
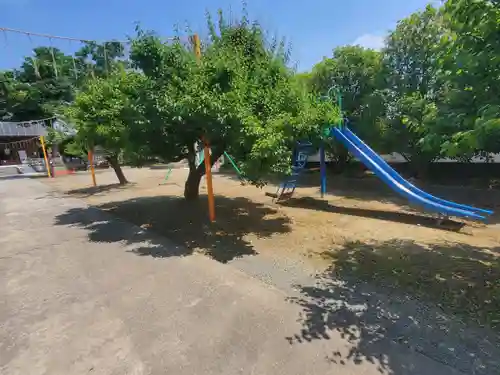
{"x": 373, "y": 164}
{"x": 374, "y": 155}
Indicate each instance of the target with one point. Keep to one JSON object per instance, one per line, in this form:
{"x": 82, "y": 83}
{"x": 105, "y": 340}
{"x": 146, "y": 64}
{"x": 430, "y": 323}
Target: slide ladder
{"x": 286, "y": 189}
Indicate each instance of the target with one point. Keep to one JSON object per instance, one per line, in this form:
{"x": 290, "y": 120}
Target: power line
{"x": 50, "y": 36}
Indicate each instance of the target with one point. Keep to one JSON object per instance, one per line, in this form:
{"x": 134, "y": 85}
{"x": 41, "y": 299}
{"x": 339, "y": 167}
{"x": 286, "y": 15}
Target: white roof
{"x": 33, "y": 128}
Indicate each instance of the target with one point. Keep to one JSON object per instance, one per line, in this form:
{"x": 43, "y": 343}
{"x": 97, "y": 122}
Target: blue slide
{"x": 377, "y": 158}
{"x": 399, "y": 184}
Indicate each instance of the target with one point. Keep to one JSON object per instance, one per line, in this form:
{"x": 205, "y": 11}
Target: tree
{"x": 102, "y": 112}
{"x": 471, "y": 66}
{"x": 40, "y": 86}
{"x": 98, "y": 60}
{"x": 304, "y": 79}
{"x": 357, "y": 73}
{"x": 240, "y": 97}
{"x": 412, "y": 123}
{"x": 47, "y": 80}
{"x": 7, "y": 99}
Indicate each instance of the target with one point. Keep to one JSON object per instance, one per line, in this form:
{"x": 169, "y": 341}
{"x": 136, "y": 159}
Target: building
{"x": 20, "y": 141}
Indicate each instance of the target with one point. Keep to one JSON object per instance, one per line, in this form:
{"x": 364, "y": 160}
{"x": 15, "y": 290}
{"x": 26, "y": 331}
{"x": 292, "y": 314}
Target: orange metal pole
{"x": 91, "y": 164}
{"x": 206, "y": 149}
{"x": 47, "y": 164}
{"x": 208, "y": 177}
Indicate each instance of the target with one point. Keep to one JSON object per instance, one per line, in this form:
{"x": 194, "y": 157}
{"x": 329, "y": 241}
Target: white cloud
{"x": 373, "y": 41}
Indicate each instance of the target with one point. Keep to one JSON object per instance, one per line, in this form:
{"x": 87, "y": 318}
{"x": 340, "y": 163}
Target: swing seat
{"x": 285, "y": 196}
{"x": 285, "y": 190}
{"x": 272, "y": 195}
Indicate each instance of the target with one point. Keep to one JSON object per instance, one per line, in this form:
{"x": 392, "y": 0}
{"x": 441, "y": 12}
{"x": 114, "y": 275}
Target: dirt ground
{"x": 305, "y": 225}
{"x": 361, "y": 226}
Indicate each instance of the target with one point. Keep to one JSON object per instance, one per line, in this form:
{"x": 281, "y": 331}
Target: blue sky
{"x": 313, "y": 27}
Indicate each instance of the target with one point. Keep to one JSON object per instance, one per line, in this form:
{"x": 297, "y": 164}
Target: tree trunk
{"x": 113, "y": 161}
{"x": 192, "y": 185}
{"x": 343, "y": 159}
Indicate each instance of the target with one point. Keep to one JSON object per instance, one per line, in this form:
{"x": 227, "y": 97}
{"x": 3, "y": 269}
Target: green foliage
{"x": 431, "y": 92}
{"x": 412, "y": 125}
{"x": 357, "y": 73}
{"x": 304, "y": 79}
{"x": 98, "y": 60}
{"x": 101, "y": 113}
{"x": 72, "y": 146}
{"x": 38, "y": 87}
{"x": 241, "y": 97}
{"x": 49, "y": 79}
{"x": 166, "y": 131}
{"x": 471, "y": 66}
{"x": 444, "y": 68}
{"x": 411, "y": 50}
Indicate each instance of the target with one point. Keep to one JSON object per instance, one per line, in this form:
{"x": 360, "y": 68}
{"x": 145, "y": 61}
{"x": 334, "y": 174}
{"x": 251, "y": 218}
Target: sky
{"x": 313, "y": 28}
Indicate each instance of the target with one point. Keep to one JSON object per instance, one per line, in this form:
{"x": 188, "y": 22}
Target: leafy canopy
{"x": 241, "y": 97}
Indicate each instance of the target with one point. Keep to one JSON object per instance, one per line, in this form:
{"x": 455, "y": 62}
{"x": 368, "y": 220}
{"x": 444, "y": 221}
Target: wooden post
{"x": 91, "y": 164}
{"x": 206, "y": 148}
{"x": 47, "y": 164}
{"x": 197, "y": 46}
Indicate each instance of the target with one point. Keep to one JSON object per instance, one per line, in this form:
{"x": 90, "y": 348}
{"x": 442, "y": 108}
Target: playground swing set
{"x": 304, "y": 149}
{"x": 200, "y": 159}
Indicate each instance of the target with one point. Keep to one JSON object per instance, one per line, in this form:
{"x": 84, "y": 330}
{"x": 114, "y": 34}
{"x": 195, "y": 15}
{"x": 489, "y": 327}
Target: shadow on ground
{"x": 369, "y": 188}
{"x": 394, "y": 216}
{"x": 185, "y": 223}
{"x": 95, "y": 190}
{"x": 432, "y": 299}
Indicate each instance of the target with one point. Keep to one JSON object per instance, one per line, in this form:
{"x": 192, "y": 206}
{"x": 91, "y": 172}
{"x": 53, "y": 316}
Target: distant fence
{"x": 454, "y": 171}
{"x": 438, "y": 172}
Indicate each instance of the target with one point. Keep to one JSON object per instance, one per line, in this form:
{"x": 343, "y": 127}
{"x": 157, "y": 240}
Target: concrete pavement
{"x": 72, "y": 303}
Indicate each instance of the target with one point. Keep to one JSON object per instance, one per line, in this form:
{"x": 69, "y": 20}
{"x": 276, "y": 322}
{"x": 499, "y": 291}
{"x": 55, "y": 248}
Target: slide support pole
{"x": 322, "y": 167}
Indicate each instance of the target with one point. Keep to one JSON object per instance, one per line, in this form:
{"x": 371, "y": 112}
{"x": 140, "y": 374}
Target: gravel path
{"x": 77, "y": 300}
{"x": 370, "y": 316}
